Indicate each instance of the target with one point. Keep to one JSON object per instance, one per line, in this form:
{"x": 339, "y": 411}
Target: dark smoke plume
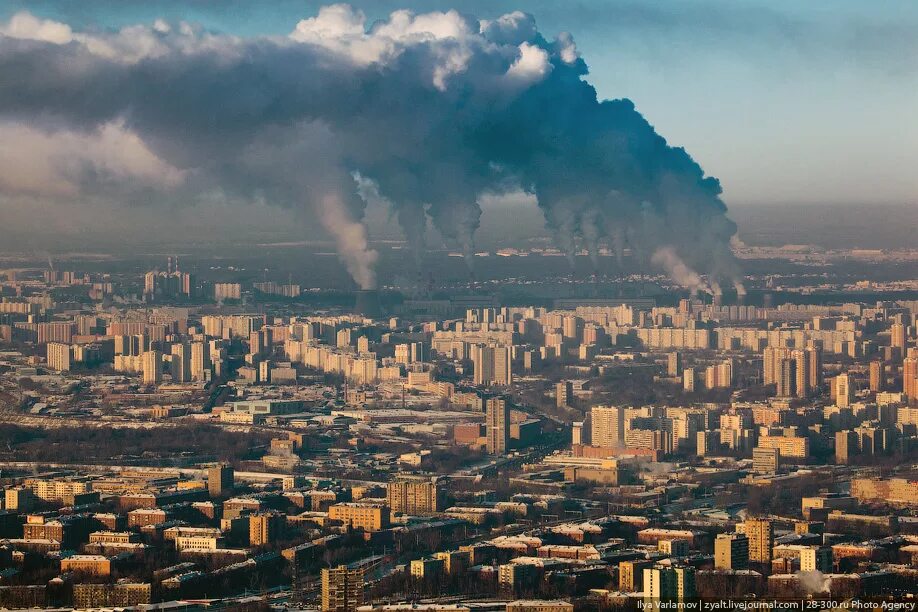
{"x": 423, "y": 112}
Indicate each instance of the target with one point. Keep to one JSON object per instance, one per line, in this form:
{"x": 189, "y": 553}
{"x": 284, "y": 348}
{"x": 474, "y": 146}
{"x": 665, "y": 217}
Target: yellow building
{"x": 121, "y": 595}
{"x": 796, "y": 447}
{"x": 731, "y": 551}
{"x": 19, "y": 499}
{"x": 57, "y": 491}
{"x": 895, "y": 491}
{"x": 607, "y": 426}
{"x": 416, "y": 497}
{"x": 631, "y": 575}
{"x": 265, "y": 528}
{"x": 454, "y": 561}
{"x": 369, "y": 517}
{"x": 427, "y": 568}
{"x": 343, "y": 589}
{"x": 760, "y": 534}
{"x": 97, "y": 565}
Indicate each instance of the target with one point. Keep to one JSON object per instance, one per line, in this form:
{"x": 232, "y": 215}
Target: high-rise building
{"x": 200, "y": 361}
{"x": 898, "y": 335}
{"x": 492, "y": 365}
{"x": 731, "y": 551}
{"x": 844, "y": 390}
{"x": 265, "y": 527}
{"x": 152, "y": 367}
{"x": 795, "y": 372}
{"x": 771, "y": 363}
{"x": 814, "y": 375}
{"x": 564, "y": 393}
{"x": 365, "y": 516}
{"x": 760, "y": 534}
{"x": 416, "y": 496}
{"x": 688, "y": 380}
{"x": 498, "y": 425}
{"x": 765, "y": 460}
{"x": 910, "y": 375}
{"x": 59, "y": 356}
{"x": 180, "y": 363}
{"x": 816, "y": 559}
{"x": 674, "y": 364}
{"x": 220, "y": 479}
{"x": 719, "y": 376}
{"x": 343, "y": 589}
{"x": 847, "y": 443}
{"x": 607, "y": 425}
{"x": 786, "y": 382}
{"x": 227, "y": 291}
{"x": 877, "y": 376}
{"x": 580, "y": 433}
{"x": 631, "y": 574}
{"x": 410, "y": 353}
{"x": 804, "y": 360}
{"x": 669, "y": 583}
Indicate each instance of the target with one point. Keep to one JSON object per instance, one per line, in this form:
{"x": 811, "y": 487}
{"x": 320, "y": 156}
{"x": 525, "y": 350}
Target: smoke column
{"x": 424, "y": 112}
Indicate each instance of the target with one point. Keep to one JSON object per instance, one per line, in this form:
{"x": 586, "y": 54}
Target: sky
{"x": 784, "y": 101}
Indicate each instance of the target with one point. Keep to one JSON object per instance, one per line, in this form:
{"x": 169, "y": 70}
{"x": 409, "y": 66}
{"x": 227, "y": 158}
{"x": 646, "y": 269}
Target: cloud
{"x": 26, "y": 26}
{"x": 60, "y": 162}
{"x": 429, "y": 110}
{"x": 532, "y": 65}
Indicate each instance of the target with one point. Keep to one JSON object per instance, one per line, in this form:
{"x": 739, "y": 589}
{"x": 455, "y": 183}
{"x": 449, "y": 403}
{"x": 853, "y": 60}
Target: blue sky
{"x": 784, "y": 101}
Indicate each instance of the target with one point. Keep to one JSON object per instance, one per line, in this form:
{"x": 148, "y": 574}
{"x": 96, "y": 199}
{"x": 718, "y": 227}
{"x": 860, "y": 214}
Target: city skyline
{"x": 555, "y": 306}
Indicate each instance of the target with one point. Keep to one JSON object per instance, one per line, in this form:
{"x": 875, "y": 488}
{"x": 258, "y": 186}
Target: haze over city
{"x": 483, "y": 306}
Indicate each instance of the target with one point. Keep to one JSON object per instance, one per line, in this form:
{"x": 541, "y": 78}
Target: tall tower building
{"x": 343, "y": 589}
{"x": 498, "y": 425}
{"x": 731, "y": 551}
{"x": 813, "y": 355}
{"x": 802, "y": 373}
{"x": 898, "y": 335}
{"x": 910, "y": 375}
{"x": 771, "y": 363}
{"x": 564, "y": 393}
{"x": 847, "y": 443}
{"x": 265, "y": 527}
{"x": 674, "y": 364}
{"x": 180, "y": 365}
{"x": 608, "y": 426}
{"x": 220, "y": 479}
{"x": 688, "y": 379}
{"x": 877, "y": 376}
{"x": 59, "y": 356}
{"x": 152, "y": 367}
{"x": 669, "y": 583}
{"x": 414, "y": 496}
{"x": 200, "y": 360}
{"x": 844, "y": 391}
{"x": 492, "y": 365}
{"x": 786, "y": 381}
{"x": 760, "y": 534}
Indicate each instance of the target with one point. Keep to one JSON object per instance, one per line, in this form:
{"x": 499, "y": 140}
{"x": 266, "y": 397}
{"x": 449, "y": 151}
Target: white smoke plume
{"x": 425, "y": 112}
{"x": 740, "y": 288}
{"x": 814, "y": 582}
{"x": 667, "y": 259}
{"x": 350, "y": 238}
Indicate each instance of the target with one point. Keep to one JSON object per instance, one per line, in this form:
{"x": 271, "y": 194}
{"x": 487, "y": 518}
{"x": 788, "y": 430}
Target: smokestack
{"x": 368, "y": 304}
